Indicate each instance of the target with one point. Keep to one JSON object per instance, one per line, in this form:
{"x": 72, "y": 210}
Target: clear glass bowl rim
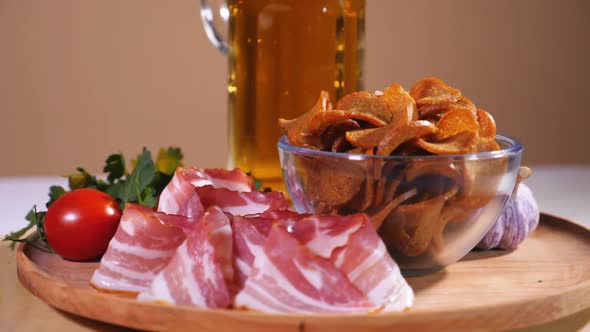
{"x": 513, "y": 147}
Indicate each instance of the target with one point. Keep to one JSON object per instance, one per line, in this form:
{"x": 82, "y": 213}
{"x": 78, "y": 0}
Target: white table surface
{"x": 560, "y": 190}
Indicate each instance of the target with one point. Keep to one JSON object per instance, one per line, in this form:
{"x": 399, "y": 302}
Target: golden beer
{"x": 282, "y": 53}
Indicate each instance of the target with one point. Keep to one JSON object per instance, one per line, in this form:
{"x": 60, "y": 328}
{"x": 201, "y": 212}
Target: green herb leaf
{"x": 115, "y": 167}
{"x": 39, "y": 220}
{"x": 82, "y": 179}
{"x": 138, "y": 180}
{"x": 169, "y": 160}
{"x": 258, "y": 185}
{"x": 115, "y": 190}
{"x": 16, "y": 236}
{"x": 143, "y": 185}
{"x": 160, "y": 182}
{"x": 55, "y": 192}
{"x": 36, "y": 219}
{"x": 148, "y": 198}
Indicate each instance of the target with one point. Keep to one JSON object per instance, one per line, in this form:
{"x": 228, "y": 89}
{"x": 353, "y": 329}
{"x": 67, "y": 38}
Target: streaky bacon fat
{"x": 142, "y": 246}
{"x": 180, "y": 198}
{"x": 247, "y": 248}
{"x": 242, "y": 203}
{"x": 198, "y": 273}
{"x": 356, "y": 249}
{"x": 288, "y": 277}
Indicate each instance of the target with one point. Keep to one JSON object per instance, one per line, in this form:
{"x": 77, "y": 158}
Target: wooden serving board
{"x": 547, "y": 278}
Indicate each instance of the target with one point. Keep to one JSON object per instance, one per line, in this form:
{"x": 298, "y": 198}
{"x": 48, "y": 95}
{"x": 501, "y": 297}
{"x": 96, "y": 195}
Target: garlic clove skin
{"x": 494, "y": 235}
{"x": 519, "y": 218}
{"x": 525, "y": 214}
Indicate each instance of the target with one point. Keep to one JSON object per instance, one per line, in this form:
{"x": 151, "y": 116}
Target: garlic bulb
{"x": 519, "y": 218}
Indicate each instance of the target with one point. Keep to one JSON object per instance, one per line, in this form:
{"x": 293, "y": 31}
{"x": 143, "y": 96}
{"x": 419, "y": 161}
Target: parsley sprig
{"x": 143, "y": 185}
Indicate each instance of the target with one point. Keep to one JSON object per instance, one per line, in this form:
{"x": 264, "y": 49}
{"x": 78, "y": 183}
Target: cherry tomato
{"x": 81, "y": 223}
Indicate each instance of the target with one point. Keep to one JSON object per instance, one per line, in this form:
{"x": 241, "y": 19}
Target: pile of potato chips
{"x": 433, "y": 118}
{"x": 411, "y": 200}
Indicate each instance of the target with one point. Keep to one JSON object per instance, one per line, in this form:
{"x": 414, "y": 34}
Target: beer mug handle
{"x": 214, "y": 15}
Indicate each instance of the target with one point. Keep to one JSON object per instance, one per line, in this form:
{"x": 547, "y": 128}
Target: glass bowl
{"x": 430, "y": 211}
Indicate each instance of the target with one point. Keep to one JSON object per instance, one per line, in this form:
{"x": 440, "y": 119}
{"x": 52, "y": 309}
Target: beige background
{"x": 82, "y": 79}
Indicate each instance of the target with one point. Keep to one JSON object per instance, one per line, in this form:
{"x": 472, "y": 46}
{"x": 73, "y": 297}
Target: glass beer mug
{"x": 281, "y": 54}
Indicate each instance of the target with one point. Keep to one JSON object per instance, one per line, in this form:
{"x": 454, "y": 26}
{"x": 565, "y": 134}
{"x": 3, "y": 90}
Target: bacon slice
{"x": 354, "y": 247}
{"x": 323, "y": 234}
{"x": 288, "y": 277}
{"x": 198, "y": 273}
{"x": 221, "y": 238}
{"x": 142, "y": 246}
{"x": 242, "y": 203}
{"x": 264, "y": 221}
{"x": 368, "y": 266}
{"x": 179, "y": 196}
{"x": 235, "y": 179}
{"x": 349, "y": 242}
{"x": 250, "y": 234}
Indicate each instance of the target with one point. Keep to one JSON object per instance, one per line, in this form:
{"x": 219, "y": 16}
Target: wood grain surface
{"x": 546, "y": 279}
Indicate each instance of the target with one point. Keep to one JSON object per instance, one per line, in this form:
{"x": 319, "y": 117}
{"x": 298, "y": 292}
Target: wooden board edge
{"x": 555, "y": 306}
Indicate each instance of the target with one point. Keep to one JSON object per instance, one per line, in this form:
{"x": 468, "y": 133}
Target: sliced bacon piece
{"x": 280, "y": 214}
{"x": 249, "y": 236}
{"x": 263, "y": 221}
{"x": 180, "y": 198}
{"x": 355, "y": 248}
{"x": 323, "y": 234}
{"x": 242, "y": 203}
{"x": 368, "y": 266}
{"x": 183, "y": 222}
{"x": 197, "y": 274}
{"x": 142, "y": 246}
{"x": 288, "y": 277}
{"x": 235, "y": 179}
{"x": 221, "y": 238}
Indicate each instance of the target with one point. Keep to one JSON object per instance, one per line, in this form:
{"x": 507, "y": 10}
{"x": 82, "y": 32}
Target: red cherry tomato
{"x": 81, "y": 223}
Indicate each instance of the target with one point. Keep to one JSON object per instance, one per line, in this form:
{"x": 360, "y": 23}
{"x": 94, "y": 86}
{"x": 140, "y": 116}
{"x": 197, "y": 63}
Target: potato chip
{"x": 298, "y": 130}
{"x": 366, "y": 138}
{"x": 432, "y": 90}
{"x": 394, "y": 138}
{"x": 410, "y": 148}
{"x": 412, "y": 203}
{"x": 378, "y": 217}
{"x": 486, "y": 144}
{"x": 455, "y": 122}
{"x": 411, "y": 226}
{"x": 334, "y": 135}
{"x": 368, "y": 103}
{"x": 371, "y": 137}
{"x": 447, "y": 214}
{"x": 331, "y": 182}
{"x": 369, "y": 191}
{"x": 391, "y": 188}
{"x": 340, "y": 144}
{"x": 433, "y": 167}
{"x": 431, "y": 110}
{"x": 355, "y": 151}
{"x": 458, "y": 144}
{"x": 385, "y": 171}
{"x": 483, "y": 179}
{"x": 487, "y": 125}
{"x": 400, "y": 103}
{"x": 322, "y": 120}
